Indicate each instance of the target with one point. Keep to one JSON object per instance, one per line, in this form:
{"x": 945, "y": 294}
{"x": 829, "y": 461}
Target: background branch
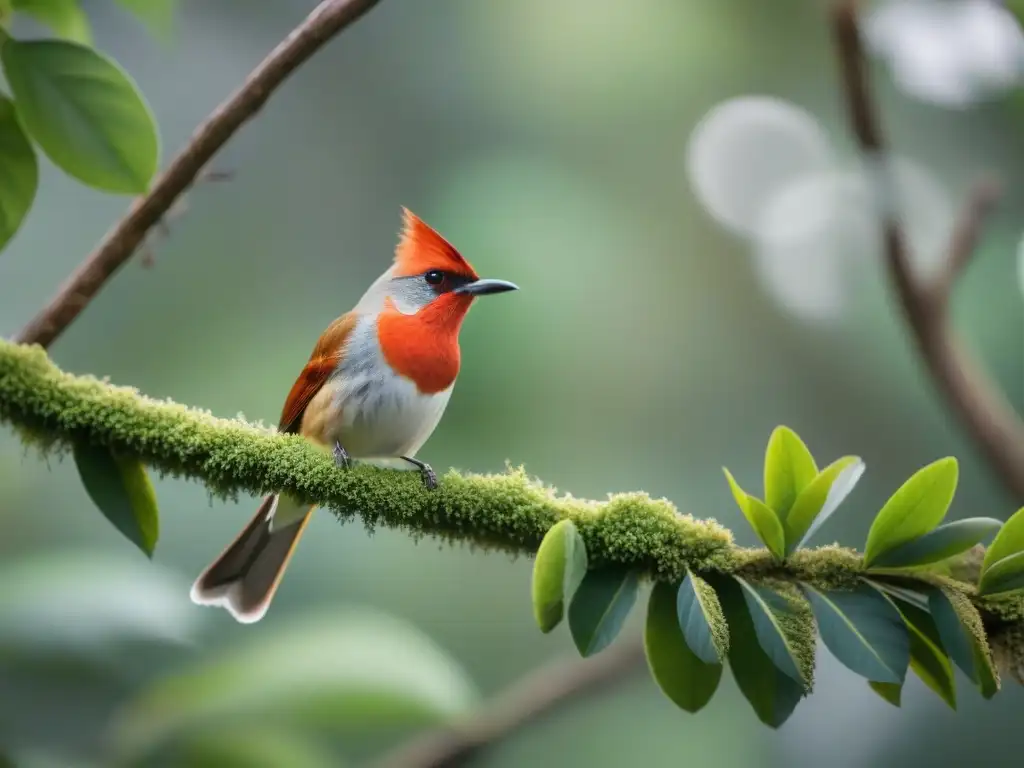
{"x": 980, "y": 405}
{"x": 328, "y": 19}
{"x": 548, "y": 687}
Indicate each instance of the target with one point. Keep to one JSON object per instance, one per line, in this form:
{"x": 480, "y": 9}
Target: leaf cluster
{"x": 899, "y": 612}
{"x": 86, "y": 115}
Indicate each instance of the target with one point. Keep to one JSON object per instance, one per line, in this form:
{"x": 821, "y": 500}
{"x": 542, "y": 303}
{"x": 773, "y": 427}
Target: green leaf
{"x": 788, "y": 469}
{"x": 842, "y": 486}
{"x": 962, "y": 633}
{"x": 928, "y": 658}
{"x": 699, "y": 615}
{"x": 600, "y": 607}
{"x": 891, "y": 692}
{"x": 263, "y": 747}
{"x": 65, "y": 17}
{"x": 685, "y": 679}
{"x": 917, "y": 506}
{"x": 814, "y": 498}
{"x": 763, "y": 520}
{"x": 772, "y": 694}
{"x": 120, "y": 488}
{"x": 769, "y": 610}
{"x": 129, "y": 600}
{"x": 1004, "y": 575}
{"x": 85, "y": 112}
{"x": 352, "y": 672}
{"x": 558, "y": 570}
{"x": 157, "y": 15}
{"x": 863, "y": 631}
{"x": 1009, "y": 541}
{"x": 939, "y": 544}
{"x": 19, "y": 172}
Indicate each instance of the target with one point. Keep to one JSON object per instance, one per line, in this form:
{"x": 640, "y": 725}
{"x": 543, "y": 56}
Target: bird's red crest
{"x": 421, "y": 248}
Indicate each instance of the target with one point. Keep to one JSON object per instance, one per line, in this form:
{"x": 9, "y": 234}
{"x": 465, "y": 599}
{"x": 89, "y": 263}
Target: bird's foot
{"x": 426, "y": 472}
{"x": 341, "y": 457}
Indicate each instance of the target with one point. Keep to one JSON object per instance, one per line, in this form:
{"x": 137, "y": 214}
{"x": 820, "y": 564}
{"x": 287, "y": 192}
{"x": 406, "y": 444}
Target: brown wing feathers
{"x": 322, "y": 363}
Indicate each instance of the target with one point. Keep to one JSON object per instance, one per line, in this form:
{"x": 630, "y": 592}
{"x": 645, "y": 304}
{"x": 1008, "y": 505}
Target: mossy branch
{"x": 510, "y": 512}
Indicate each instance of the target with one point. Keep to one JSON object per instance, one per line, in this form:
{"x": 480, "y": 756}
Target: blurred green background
{"x": 547, "y": 140}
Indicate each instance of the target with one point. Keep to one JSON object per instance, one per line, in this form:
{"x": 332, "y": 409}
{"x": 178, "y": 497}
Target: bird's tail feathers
{"x": 245, "y": 576}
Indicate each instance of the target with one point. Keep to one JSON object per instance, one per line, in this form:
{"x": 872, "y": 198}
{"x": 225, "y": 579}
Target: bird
{"x": 374, "y": 388}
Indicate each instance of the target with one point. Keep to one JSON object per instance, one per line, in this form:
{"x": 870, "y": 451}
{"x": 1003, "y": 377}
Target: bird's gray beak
{"x": 485, "y": 287}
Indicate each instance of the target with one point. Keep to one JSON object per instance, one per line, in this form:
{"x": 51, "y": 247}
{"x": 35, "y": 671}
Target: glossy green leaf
{"x": 813, "y": 499}
{"x": 772, "y": 694}
{"x": 65, "y": 17}
{"x": 685, "y": 679}
{"x": 19, "y": 172}
{"x": 891, "y": 692}
{"x": 939, "y": 544}
{"x": 157, "y": 15}
{"x": 354, "y": 672}
{"x": 600, "y": 608}
{"x": 967, "y": 651}
{"x": 700, "y": 618}
{"x": 917, "y": 506}
{"x": 900, "y": 589}
{"x": 768, "y": 610}
{"x": 120, "y": 488}
{"x": 1004, "y": 575}
{"x": 928, "y": 658}
{"x": 863, "y": 631}
{"x": 842, "y": 486}
{"x": 788, "y": 468}
{"x": 85, "y": 113}
{"x": 1009, "y": 541}
{"x": 558, "y": 570}
{"x": 763, "y": 520}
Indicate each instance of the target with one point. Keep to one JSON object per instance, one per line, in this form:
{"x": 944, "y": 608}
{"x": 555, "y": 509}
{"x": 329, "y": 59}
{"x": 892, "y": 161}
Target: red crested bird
{"x": 374, "y": 388}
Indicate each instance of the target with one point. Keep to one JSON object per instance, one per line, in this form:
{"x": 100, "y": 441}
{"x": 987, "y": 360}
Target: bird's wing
{"x": 322, "y": 363}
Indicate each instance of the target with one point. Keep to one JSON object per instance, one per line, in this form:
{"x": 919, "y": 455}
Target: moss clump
{"x": 798, "y": 626}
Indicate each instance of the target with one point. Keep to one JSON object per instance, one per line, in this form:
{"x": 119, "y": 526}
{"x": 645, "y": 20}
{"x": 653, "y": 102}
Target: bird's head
{"x": 430, "y": 279}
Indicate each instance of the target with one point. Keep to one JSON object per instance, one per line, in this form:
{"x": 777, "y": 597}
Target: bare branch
{"x": 979, "y": 404}
{"x": 552, "y": 685}
{"x": 329, "y": 18}
{"x": 982, "y": 200}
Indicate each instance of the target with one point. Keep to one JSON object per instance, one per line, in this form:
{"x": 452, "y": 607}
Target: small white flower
{"x": 953, "y": 53}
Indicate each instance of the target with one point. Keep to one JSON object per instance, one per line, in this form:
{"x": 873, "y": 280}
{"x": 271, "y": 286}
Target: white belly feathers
{"x": 374, "y": 412}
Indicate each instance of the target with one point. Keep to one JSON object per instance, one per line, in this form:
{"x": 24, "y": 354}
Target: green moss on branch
{"x": 507, "y": 511}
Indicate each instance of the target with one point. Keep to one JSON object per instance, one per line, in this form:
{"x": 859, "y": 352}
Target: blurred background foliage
{"x": 549, "y": 142}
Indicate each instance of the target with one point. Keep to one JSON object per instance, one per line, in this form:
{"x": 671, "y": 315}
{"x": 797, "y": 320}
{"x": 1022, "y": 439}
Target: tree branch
{"x": 328, "y": 19}
{"x": 553, "y": 685}
{"x": 983, "y": 409}
{"x": 509, "y": 512}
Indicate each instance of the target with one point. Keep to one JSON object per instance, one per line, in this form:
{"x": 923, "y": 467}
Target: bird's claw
{"x": 429, "y": 477}
{"x": 341, "y": 457}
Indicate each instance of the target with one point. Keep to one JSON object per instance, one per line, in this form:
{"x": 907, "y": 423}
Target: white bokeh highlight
{"x": 814, "y": 226}
{"x": 951, "y": 53}
{"x": 744, "y": 149}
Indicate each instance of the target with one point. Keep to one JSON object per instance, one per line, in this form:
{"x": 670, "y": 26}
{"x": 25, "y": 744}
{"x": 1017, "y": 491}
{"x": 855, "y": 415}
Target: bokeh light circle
{"x": 746, "y": 148}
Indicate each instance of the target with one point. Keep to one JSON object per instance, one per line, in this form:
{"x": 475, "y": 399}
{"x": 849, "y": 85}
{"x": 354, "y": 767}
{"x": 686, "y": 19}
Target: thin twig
{"x": 328, "y": 19}
{"x": 980, "y": 405}
{"x": 550, "y": 686}
{"x": 982, "y": 200}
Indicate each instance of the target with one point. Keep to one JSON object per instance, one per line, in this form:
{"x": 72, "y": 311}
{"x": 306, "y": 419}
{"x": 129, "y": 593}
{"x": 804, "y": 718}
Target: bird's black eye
{"x": 434, "y": 277}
